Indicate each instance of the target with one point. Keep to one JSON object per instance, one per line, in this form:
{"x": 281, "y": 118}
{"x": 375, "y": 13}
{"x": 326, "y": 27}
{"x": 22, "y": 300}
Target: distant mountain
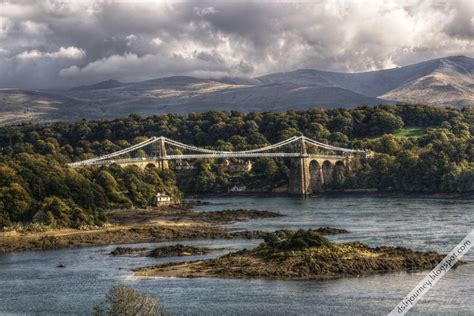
{"x": 33, "y": 106}
{"x": 108, "y": 84}
{"x": 440, "y": 82}
{"x": 188, "y": 94}
{"x": 451, "y": 83}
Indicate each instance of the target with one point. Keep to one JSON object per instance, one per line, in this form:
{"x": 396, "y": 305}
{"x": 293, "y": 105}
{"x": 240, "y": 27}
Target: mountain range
{"x": 439, "y": 82}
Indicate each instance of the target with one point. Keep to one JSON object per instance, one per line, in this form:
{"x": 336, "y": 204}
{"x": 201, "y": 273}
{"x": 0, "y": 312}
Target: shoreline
{"x": 352, "y": 193}
{"x": 139, "y": 226}
{"x": 172, "y": 223}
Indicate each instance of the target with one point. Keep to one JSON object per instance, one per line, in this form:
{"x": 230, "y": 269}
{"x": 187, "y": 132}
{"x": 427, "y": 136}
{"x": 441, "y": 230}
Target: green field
{"x": 404, "y": 132}
{"x": 410, "y": 132}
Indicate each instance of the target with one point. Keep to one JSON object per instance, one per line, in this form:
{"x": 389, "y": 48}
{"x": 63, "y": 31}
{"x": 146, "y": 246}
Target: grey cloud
{"x": 143, "y": 40}
{"x": 461, "y": 24}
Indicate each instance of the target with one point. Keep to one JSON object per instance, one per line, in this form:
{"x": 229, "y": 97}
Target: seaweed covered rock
{"x": 121, "y": 251}
{"x": 301, "y": 255}
{"x": 294, "y": 241}
{"x": 178, "y": 251}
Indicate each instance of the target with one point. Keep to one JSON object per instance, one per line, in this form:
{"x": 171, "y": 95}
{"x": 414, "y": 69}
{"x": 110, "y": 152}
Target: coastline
{"x": 351, "y": 193}
{"x": 139, "y": 226}
{"x": 173, "y": 223}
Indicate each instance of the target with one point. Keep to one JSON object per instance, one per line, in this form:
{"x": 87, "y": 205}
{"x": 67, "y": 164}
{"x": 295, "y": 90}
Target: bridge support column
{"x": 162, "y": 162}
{"x": 300, "y": 178}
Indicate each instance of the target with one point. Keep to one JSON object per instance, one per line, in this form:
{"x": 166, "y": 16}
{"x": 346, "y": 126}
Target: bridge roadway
{"x": 212, "y": 156}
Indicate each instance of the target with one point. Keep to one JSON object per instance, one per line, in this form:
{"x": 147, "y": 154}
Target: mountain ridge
{"x": 441, "y": 82}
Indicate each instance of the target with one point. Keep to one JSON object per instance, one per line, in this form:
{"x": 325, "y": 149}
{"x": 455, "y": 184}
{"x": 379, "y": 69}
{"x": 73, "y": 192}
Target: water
{"x": 31, "y": 283}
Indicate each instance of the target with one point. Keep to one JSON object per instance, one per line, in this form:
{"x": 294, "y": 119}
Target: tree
{"x": 57, "y": 211}
{"x": 266, "y": 167}
{"x": 342, "y": 124}
{"x": 383, "y": 122}
{"x": 16, "y": 201}
{"x": 338, "y": 178}
{"x": 111, "y": 187}
{"x": 125, "y": 301}
{"x": 387, "y": 144}
{"x": 338, "y": 139}
{"x": 205, "y": 178}
{"x": 4, "y": 217}
{"x": 318, "y": 132}
{"x": 7, "y": 175}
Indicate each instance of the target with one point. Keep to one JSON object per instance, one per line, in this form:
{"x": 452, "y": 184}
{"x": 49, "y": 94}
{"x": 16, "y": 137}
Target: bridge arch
{"x": 316, "y": 176}
{"x": 320, "y": 172}
{"x": 327, "y": 169}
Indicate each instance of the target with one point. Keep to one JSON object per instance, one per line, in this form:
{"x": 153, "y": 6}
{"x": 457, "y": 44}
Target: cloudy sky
{"x": 46, "y": 44}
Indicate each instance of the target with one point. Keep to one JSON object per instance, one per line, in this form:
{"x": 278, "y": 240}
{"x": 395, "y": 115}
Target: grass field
{"x": 410, "y": 132}
{"x": 404, "y": 132}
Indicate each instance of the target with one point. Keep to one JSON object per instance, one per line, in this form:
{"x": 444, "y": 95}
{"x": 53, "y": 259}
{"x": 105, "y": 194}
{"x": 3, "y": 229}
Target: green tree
{"x": 16, "y": 201}
{"x": 7, "y": 175}
{"x": 4, "y": 217}
{"x": 266, "y": 167}
{"x": 383, "y": 122}
{"x": 111, "y": 187}
{"x": 57, "y": 211}
{"x": 342, "y": 124}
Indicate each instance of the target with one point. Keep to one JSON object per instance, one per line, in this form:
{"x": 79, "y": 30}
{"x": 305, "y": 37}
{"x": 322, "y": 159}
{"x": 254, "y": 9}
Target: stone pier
{"x": 311, "y": 175}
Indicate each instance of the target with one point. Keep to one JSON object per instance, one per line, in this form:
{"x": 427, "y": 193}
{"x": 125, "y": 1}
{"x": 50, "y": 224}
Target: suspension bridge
{"x": 312, "y": 162}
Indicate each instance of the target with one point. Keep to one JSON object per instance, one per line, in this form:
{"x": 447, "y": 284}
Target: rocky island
{"x": 300, "y": 255}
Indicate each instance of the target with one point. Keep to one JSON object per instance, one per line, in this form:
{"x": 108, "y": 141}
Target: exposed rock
{"x": 301, "y": 255}
{"x": 178, "y": 214}
{"x": 331, "y": 231}
{"x": 120, "y": 251}
{"x": 178, "y": 251}
{"x": 236, "y": 215}
{"x": 188, "y": 204}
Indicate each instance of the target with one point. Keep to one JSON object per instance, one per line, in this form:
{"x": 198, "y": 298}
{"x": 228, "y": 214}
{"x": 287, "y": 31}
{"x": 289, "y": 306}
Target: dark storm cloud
{"x": 46, "y": 44}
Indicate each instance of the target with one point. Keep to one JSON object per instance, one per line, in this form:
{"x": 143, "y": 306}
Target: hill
{"x": 439, "y": 82}
{"x": 108, "y": 84}
{"x": 18, "y": 106}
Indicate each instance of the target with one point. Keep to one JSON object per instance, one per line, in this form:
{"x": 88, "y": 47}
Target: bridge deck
{"x": 208, "y": 156}
{"x": 203, "y": 153}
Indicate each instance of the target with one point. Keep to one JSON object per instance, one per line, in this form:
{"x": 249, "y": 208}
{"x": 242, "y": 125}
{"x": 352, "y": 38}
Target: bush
{"x": 4, "y": 218}
{"x": 124, "y": 301}
{"x": 295, "y": 241}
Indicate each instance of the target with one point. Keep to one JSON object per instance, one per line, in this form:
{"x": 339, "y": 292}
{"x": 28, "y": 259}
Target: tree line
{"x": 35, "y": 184}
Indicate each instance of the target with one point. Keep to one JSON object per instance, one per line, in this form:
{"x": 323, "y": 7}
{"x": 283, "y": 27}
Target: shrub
{"x": 295, "y": 241}
{"x": 123, "y": 301}
{"x": 4, "y": 218}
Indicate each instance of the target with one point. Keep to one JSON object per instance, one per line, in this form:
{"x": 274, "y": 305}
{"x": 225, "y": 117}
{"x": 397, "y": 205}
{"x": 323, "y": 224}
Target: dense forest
{"x": 420, "y": 149}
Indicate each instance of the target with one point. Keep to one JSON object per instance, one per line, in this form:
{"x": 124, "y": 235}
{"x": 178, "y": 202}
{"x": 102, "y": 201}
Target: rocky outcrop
{"x": 178, "y": 251}
{"x": 301, "y": 255}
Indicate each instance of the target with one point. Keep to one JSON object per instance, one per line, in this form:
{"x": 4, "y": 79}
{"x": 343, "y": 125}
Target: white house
{"x": 161, "y": 199}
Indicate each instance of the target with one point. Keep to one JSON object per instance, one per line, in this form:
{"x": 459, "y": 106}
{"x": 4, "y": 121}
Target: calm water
{"x": 30, "y": 282}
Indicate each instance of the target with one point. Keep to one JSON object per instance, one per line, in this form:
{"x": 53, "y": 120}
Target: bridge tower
{"x": 300, "y": 177}
{"x": 162, "y": 162}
